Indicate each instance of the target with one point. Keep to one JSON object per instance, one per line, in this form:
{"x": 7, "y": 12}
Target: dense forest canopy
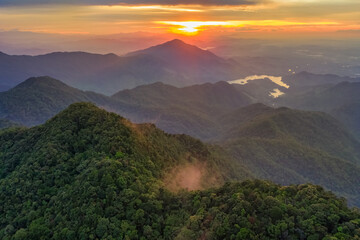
{"x": 89, "y": 174}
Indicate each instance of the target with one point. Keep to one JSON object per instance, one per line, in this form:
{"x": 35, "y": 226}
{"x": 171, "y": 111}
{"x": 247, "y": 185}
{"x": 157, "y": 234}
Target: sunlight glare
{"x": 190, "y": 27}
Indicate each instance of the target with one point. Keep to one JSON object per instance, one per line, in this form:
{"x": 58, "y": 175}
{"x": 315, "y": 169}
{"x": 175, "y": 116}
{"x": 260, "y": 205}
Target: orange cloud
{"x": 194, "y": 27}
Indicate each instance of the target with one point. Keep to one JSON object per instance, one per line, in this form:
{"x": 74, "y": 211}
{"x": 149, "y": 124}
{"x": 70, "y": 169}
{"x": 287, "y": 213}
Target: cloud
{"x": 135, "y": 2}
{"x": 350, "y": 30}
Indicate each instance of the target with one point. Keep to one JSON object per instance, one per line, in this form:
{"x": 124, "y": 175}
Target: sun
{"x": 190, "y": 28}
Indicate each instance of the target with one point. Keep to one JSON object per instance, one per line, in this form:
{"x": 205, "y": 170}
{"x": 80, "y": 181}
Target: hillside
{"x": 290, "y": 146}
{"x": 89, "y": 174}
{"x": 37, "y": 99}
{"x": 216, "y": 94}
{"x": 327, "y": 98}
{"x": 191, "y": 110}
{"x": 340, "y": 100}
{"x": 349, "y": 115}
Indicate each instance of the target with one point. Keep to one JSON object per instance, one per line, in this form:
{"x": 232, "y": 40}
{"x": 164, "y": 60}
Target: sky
{"x": 191, "y": 18}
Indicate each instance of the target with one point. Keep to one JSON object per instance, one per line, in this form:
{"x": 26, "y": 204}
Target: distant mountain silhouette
{"x": 174, "y": 62}
{"x": 178, "y": 52}
{"x": 194, "y": 64}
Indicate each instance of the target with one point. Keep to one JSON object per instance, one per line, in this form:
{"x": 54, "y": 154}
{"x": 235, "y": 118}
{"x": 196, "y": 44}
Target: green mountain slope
{"x": 37, "y": 99}
{"x": 191, "y": 110}
{"x": 326, "y": 99}
{"x": 87, "y": 149}
{"x": 89, "y": 174}
{"x": 291, "y": 146}
{"x": 349, "y": 115}
{"x": 341, "y": 100}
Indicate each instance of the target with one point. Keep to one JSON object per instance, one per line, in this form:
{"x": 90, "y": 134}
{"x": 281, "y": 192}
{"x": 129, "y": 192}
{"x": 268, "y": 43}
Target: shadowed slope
{"x": 289, "y": 146}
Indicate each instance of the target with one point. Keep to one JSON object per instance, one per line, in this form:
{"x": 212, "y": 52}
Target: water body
{"x": 275, "y": 93}
{"x": 277, "y": 80}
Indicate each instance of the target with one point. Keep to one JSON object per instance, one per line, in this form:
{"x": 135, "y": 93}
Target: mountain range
{"x": 284, "y": 145}
{"x": 177, "y": 110}
{"x": 173, "y": 62}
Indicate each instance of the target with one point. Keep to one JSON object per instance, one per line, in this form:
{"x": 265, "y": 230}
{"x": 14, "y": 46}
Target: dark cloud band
{"x": 133, "y": 2}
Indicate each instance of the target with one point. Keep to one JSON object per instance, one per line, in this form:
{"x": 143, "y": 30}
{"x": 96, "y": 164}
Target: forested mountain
{"x": 291, "y": 146}
{"x": 110, "y": 73}
{"x": 340, "y": 100}
{"x": 326, "y": 99}
{"x": 192, "y": 110}
{"x": 38, "y": 99}
{"x": 220, "y": 94}
{"x": 89, "y": 174}
{"x": 349, "y": 115}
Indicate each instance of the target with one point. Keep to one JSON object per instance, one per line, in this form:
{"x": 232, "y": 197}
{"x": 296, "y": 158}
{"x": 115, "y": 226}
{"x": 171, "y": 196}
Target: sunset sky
{"x": 184, "y": 17}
